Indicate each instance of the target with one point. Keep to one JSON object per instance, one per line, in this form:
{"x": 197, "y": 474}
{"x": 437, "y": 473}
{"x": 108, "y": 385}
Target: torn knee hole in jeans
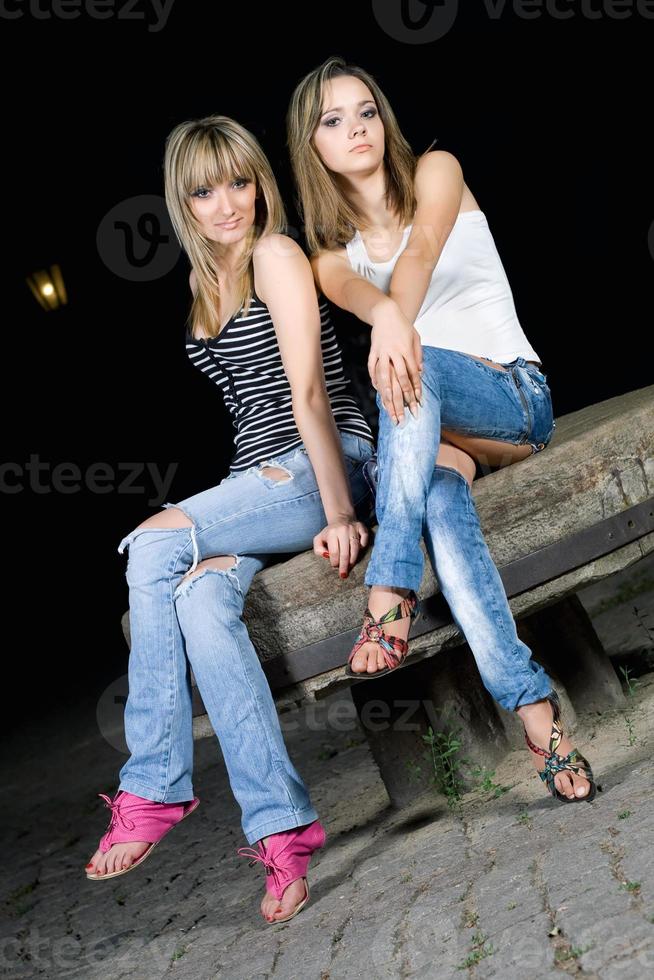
{"x": 153, "y": 529}
{"x": 221, "y": 565}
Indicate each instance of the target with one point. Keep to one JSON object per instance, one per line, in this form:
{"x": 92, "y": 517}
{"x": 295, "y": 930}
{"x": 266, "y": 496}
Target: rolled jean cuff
{"x": 528, "y": 698}
{"x": 394, "y": 576}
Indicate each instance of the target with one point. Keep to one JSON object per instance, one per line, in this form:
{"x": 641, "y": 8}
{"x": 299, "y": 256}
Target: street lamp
{"x": 48, "y": 288}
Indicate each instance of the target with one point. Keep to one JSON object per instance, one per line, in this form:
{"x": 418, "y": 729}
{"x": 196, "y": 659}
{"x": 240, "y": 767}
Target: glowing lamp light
{"x": 48, "y": 288}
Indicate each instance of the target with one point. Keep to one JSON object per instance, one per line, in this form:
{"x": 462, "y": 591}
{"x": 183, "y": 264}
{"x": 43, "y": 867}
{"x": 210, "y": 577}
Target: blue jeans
{"x": 417, "y": 498}
{"x": 198, "y": 622}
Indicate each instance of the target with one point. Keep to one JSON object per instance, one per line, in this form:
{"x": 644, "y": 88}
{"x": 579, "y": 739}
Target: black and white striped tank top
{"x": 245, "y": 362}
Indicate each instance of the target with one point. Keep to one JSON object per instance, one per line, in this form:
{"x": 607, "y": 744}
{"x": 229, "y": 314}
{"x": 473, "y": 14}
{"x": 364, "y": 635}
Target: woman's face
{"x": 225, "y": 211}
{"x": 350, "y": 134}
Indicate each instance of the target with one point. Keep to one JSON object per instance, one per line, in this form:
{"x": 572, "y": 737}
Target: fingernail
{"x": 325, "y": 554}
{"x": 343, "y": 574}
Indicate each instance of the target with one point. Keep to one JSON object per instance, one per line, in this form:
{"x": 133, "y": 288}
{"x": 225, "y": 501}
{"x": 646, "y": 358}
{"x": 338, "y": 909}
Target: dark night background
{"x": 548, "y": 117}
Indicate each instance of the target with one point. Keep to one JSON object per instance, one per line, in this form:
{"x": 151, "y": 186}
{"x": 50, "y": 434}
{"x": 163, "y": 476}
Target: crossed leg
{"x": 461, "y": 453}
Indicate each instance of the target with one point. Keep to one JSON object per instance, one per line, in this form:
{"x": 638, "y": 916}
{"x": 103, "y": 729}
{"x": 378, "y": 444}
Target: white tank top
{"x": 469, "y": 304}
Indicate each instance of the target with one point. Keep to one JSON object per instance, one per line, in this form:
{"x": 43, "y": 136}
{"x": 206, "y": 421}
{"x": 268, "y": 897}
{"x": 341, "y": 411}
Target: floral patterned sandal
{"x": 554, "y": 763}
{"x": 394, "y": 648}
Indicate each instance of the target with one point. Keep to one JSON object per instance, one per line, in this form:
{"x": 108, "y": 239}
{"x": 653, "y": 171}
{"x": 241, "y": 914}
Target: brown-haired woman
{"x": 400, "y": 241}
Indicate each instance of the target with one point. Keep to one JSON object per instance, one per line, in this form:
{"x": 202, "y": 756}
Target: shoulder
{"x": 273, "y": 248}
{"x": 435, "y": 163}
{"x": 278, "y": 264}
{"x": 329, "y": 256}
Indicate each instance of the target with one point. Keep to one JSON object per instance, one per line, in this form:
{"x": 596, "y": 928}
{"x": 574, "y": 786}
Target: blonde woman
{"x": 401, "y": 242}
{"x": 296, "y": 481}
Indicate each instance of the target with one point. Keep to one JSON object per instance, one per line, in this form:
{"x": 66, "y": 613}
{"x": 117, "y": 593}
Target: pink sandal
{"x": 134, "y": 818}
{"x": 286, "y": 858}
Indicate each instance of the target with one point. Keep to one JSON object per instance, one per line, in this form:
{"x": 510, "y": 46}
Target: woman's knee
{"x": 221, "y": 563}
{"x": 489, "y": 452}
{"x": 456, "y": 459}
{"x": 150, "y": 543}
{"x": 170, "y": 517}
{"x": 210, "y": 578}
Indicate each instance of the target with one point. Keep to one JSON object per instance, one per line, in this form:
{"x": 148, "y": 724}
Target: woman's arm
{"x": 284, "y": 282}
{"x": 438, "y": 188}
{"x": 395, "y": 358}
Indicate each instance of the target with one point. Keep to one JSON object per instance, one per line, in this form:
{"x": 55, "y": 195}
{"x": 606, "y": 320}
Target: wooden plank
{"x": 518, "y": 576}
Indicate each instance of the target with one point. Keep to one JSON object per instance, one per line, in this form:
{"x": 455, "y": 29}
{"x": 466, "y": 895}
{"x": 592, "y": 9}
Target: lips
{"x": 228, "y": 224}
{"x": 361, "y": 147}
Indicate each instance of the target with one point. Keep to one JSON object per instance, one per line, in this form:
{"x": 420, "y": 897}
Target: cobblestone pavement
{"x": 514, "y": 885}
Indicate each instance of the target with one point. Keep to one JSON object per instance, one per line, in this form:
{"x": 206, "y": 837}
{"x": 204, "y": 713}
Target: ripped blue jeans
{"x": 416, "y": 498}
{"x": 197, "y": 623}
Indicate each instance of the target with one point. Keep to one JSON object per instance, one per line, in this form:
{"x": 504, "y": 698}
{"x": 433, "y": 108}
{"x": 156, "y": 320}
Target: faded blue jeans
{"x": 198, "y": 623}
{"x": 417, "y": 498}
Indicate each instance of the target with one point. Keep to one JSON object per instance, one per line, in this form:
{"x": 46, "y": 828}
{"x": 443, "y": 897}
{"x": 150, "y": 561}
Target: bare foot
{"x": 272, "y": 909}
{"x": 117, "y": 857}
{"x": 537, "y": 719}
{"x": 370, "y": 658}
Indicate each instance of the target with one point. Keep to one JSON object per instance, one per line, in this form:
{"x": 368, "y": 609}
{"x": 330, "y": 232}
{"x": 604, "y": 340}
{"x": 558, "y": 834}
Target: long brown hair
{"x": 330, "y": 219}
{"x": 205, "y": 152}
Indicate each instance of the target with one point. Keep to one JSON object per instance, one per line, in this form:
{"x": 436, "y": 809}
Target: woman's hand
{"x": 341, "y": 542}
{"x": 395, "y": 361}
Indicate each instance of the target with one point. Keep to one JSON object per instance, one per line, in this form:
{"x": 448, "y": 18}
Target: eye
{"x": 328, "y": 122}
{"x": 243, "y": 181}
{"x": 200, "y": 192}
{"x": 373, "y": 112}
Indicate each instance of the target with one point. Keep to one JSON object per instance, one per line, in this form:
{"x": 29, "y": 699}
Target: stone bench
{"x": 554, "y": 523}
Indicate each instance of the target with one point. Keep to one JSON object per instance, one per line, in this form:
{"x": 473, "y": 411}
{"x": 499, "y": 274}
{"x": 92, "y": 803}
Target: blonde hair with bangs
{"x": 202, "y": 153}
